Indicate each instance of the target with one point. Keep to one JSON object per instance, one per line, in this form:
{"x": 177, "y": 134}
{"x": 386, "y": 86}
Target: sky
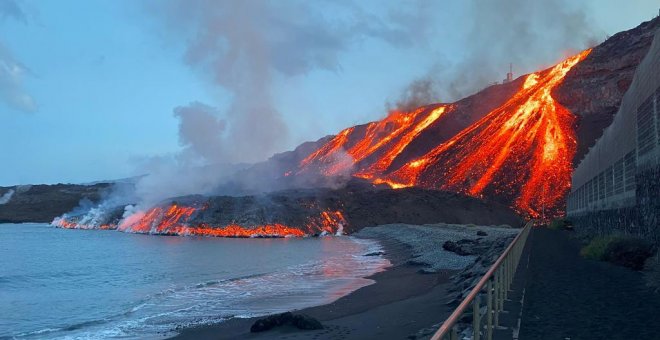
{"x": 93, "y": 90}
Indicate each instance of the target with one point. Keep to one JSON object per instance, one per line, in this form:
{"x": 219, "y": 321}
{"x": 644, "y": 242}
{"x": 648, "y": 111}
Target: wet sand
{"x": 402, "y": 302}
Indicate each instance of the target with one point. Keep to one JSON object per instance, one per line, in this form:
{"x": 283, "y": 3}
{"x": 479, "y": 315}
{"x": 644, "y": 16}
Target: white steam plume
{"x": 240, "y": 47}
{"x": 4, "y": 199}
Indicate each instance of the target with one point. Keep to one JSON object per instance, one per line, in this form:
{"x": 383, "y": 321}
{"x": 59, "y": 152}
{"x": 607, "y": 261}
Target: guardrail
{"x": 496, "y": 282}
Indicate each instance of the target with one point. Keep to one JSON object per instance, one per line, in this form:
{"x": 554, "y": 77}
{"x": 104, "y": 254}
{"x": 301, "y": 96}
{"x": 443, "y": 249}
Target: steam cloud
{"x": 13, "y": 71}
{"x": 240, "y": 47}
{"x": 529, "y": 34}
{"x": 4, "y": 199}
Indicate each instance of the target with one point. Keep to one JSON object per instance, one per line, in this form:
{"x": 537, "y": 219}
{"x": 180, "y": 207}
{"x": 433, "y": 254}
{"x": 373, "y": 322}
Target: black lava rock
{"x": 299, "y": 321}
{"x": 271, "y": 322}
{"x": 455, "y": 247}
{"x": 302, "y": 321}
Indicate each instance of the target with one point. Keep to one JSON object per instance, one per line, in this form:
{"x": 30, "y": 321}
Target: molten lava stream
{"x": 520, "y": 152}
{"x": 177, "y": 220}
{"x": 385, "y": 139}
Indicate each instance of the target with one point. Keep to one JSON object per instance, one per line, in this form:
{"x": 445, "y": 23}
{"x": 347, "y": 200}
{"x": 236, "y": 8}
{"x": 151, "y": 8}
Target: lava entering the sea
{"x": 179, "y": 220}
{"x": 519, "y": 153}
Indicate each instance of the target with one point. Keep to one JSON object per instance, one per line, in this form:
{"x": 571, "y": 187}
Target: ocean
{"x": 88, "y": 284}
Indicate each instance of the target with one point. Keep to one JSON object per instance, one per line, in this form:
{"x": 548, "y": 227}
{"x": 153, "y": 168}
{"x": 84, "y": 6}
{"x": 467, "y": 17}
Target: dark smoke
{"x": 419, "y": 92}
{"x": 530, "y": 34}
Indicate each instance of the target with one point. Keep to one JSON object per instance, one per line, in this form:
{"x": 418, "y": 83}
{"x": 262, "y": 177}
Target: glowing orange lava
{"x": 522, "y": 150}
{"x": 176, "y": 220}
{"x": 63, "y": 223}
{"x": 519, "y": 153}
{"x": 382, "y": 140}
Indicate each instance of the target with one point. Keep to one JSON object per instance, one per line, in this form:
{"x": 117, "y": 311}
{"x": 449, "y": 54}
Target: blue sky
{"x": 105, "y": 77}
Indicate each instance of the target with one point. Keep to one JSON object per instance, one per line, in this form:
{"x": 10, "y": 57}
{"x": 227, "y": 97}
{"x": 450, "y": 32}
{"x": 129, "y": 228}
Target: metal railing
{"x": 496, "y": 282}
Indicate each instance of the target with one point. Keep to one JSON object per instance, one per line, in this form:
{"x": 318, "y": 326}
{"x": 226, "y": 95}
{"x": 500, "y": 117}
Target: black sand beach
{"x": 400, "y": 303}
{"x": 404, "y": 302}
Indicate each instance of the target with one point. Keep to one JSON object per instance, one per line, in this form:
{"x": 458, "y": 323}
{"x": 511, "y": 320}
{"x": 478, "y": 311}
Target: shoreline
{"x": 402, "y": 301}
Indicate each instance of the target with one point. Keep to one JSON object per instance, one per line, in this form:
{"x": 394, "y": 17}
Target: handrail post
{"x": 476, "y": 318}
{"x": 489, "y": 310}
{"x": 501, "y": 292}
{"x": 508, "y": 277}
{"x": 497, "y": 298}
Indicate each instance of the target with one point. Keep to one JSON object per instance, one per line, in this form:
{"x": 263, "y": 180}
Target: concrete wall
{"x": 606, "y": 179}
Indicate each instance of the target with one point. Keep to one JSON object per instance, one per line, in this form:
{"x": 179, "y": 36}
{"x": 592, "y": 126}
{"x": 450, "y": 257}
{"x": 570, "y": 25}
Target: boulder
{"x": 306, "y": 322}
{"x": 299, "y": 321}
{"x": 271, "y": 321}
{"x": 462, "y": 247}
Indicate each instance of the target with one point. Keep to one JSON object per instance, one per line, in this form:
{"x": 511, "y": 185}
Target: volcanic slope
{"x": 515, "y": 143}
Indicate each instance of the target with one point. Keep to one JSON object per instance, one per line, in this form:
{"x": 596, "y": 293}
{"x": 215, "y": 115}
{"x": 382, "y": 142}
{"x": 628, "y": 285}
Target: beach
{"x": 408, "y": 300}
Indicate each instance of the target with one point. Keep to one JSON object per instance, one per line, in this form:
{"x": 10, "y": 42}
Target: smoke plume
{"x": 419, "y": 92}
{"x": 529, "y": 34}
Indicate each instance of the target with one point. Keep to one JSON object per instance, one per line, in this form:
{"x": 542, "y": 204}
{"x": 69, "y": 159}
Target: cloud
{"x": 12, "y": 10}
{"x": 12, "y": 71}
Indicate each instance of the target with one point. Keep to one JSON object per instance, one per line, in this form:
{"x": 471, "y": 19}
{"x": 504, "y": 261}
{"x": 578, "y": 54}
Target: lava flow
{"x": 382, "y": 140}
{"x": 519, "y": 153}
{"x": 178, "y": 220}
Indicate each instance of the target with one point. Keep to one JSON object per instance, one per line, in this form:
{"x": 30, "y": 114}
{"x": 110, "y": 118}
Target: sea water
{"x": 81, "y": 284}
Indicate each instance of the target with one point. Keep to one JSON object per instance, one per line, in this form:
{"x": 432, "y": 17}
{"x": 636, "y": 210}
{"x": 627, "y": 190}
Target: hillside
{"x": 516, "y": 143}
